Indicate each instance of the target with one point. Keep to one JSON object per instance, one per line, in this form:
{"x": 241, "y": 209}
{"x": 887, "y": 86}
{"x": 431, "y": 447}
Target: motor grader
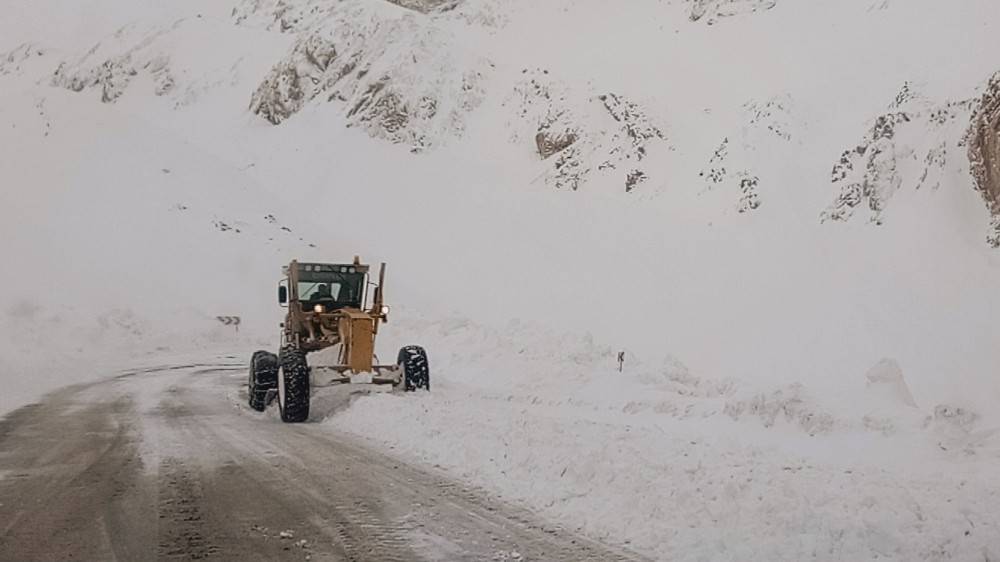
{"x": 329, "y": 306}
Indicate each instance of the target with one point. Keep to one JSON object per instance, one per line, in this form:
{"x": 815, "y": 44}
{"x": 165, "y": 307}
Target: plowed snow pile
{"x": 784, "y": 213}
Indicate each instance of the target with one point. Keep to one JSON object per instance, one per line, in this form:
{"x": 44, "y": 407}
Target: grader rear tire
{"x": 293, "y": 386}
{"x": 416, "y": 370}
{"x": 263, "y": 377}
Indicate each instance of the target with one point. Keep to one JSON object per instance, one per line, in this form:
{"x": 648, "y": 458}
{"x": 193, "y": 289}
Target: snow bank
{"x": 45, "y": 346}
{"x": 687, "y": 468}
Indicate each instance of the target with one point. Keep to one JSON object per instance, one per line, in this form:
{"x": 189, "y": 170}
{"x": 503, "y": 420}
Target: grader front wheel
{"x": 293, "y": 386}
{"x": 416, "y": 371}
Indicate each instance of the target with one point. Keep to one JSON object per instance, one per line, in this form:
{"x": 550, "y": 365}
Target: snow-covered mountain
{"x": 786, "y": 213}
{"x": 686, "y": 73}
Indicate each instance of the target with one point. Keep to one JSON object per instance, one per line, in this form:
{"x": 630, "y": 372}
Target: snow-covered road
{"x": 166, "y": 464}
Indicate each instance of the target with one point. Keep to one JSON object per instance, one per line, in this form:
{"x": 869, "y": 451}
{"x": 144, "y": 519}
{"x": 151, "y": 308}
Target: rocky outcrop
{"x": 400, "y": 79}
{"x": 913, "y": 146}
{"x": 304, "y": 74}
{"x": 908, "y": 146}
{"x": 550, "y": 144}
{"x": 869, "y": 172}
{"x": 112, "y": 65}
{"x": 112, "y": 76}
{"x": 711, "y": 11}
{"x": 12, "y": 61}
{"x": 984, "y": 152}
{"x": 767, "y": 129}
{"x": 293, "y": 17}
{"x": 426, "y": 6}
{"x": 585, "y": 135}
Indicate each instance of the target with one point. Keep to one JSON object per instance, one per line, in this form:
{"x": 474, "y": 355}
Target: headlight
{"x": 319, "y": 308}
{"x": 385, "y": 310}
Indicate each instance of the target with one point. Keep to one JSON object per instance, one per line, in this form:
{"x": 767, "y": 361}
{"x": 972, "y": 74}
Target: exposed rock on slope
{"x": 582, "y": 134}
{"x": 984, "y": 152}
{"x": 426, "y": 6}
{"x": 112, "y": 76}
{"x": 10, "y": 62}
{"x": 399, "y": 78}
{"x": 113, "y": 64}
{"x": 711, "y": 11}
{"x": 911, "y": 146}
{"x": 908, "y": 146}
{"x": 732, "y": 166}
{"x": 292, "y": 16}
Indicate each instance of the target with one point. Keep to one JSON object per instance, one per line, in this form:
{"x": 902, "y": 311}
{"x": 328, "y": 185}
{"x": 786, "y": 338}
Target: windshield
{"x": 333, "y": 289}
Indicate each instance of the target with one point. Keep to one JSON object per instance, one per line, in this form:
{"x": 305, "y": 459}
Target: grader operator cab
{"x": 329, "y": 305}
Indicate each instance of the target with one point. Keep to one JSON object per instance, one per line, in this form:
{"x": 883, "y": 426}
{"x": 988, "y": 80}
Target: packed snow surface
{"x": 767, "y": 205}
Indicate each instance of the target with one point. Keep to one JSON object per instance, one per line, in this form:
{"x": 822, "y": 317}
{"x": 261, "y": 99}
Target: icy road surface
{"x": 166, "y": 464}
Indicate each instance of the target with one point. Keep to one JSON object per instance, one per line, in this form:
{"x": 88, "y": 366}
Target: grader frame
{"x": 317, "y": 319}
{"x": 309, "y": 327}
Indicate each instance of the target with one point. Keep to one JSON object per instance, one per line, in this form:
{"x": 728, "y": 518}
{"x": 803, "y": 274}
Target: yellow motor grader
{"x": 329, "y": 305}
